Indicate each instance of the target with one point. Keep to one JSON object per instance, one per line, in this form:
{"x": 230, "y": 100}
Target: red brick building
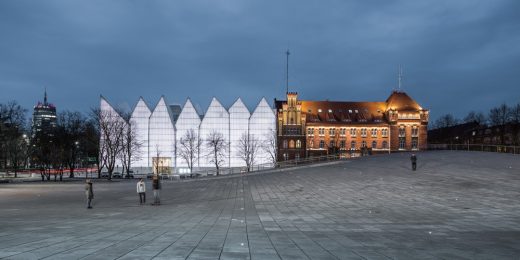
{"x": 311, "y": 128}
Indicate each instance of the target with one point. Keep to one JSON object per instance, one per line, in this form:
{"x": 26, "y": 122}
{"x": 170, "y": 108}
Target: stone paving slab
{"x": 457, "y": 205}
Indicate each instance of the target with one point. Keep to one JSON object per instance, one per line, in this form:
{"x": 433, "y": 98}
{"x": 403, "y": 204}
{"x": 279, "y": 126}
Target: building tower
{"x": 44, "y": 119}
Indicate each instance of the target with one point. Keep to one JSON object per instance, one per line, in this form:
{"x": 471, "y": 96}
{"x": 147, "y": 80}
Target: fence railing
{"x": 476, "y": 147}
{"x": 267, "y": 166}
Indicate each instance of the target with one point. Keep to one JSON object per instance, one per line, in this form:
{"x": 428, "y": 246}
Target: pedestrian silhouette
{"x": 141, "y": 190}
{"x": 89, "y": 192}
{"x": 414, "y": 162}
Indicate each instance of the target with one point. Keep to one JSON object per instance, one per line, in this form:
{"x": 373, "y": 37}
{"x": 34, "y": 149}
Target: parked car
{"x": 104, "y": 175}
{"x": 149, "y": 175}
{"x": 129, "y": 175}
{"x": 117, "y": 175}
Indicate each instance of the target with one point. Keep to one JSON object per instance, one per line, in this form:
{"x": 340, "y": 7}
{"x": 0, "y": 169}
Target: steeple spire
{"x": 400, "y": 77}
{"x": 287, "y": 72}
{"x": 45, "y": 97}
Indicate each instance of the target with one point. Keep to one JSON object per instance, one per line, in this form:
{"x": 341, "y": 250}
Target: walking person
{"x": 414, "y": 162}
{"x": 89, "y": 192}
{"x": 141, "y": 190}
{"x": 156, "y": 184}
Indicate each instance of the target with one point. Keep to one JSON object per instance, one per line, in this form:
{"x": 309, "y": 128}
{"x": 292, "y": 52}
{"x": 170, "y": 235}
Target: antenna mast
{"x": 287, "y": 72}
{"x": 400, "y": 76}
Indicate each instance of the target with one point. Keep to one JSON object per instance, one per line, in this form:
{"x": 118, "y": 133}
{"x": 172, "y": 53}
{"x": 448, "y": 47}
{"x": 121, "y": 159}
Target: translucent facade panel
{"x": 188, "y": 119}
{"x": 162, "y": 135}
{"x": 139, "y": 122}
{"x": 261, "y": 125}
{"x": 238, "y": 125}
{"x": 216, "y": 119}
{"x": 112, "y": 116}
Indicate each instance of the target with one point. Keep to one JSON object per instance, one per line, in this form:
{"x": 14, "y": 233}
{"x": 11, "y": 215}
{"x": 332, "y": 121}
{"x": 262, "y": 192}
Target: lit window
{"x": 402, "y": 143}
{"x": 402, "y": 131}
{"x": 319, "y": 110}
{"x": 363, "y": 132}
{"x": 298, "y": 144}
{"x": 291, "y": 144}
{"x": 330, "y": 110}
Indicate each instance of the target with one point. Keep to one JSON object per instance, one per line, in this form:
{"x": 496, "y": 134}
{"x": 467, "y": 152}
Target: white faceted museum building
{"x": 159, "y": 131}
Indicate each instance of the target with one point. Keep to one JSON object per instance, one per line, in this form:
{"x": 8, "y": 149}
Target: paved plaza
{"x": 457, "y": 205}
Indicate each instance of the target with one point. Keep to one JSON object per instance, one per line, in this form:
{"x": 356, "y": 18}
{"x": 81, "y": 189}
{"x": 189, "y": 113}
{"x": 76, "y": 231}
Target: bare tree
{"x": 334, "y": 145}
{"x": 477, "y": 117}
{"x": 514, "y": 113}
{"x": 131, "y": 145}
{"x": 248, "y": 147}
{"x": 216, "y": 144}
{"x": 112, "y": 128}
{"x": 71, "y": 128}
{"x": 12, "y": 121}
{"x": 190, "y": 144}
{"x": 270, "y": 145}
{"x": 499, "y": 117}
{"x": 446, "y": 120}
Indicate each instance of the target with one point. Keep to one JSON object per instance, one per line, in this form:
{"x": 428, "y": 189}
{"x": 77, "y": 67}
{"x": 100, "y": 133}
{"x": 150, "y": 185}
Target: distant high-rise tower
{"x": 44, "y": 119}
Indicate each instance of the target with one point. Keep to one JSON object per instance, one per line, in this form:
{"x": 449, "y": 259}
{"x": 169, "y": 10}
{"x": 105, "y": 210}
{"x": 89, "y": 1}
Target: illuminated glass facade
{"x": 216, "y": 119}
{"x": 139, "y": 122}
{"x": 162, "y": 137}
{"x": 160, "y": 132}
{"x": 238, "y": 126}
{"x": 188, "y": 120}
{"x": 261, "y": 127}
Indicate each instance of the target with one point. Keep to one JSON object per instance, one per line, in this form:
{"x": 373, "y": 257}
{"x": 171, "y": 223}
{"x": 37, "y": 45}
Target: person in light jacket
{"x": 89, "y": 192}
{"x": 141, "y": 190}
{"x": 156, "y": 184}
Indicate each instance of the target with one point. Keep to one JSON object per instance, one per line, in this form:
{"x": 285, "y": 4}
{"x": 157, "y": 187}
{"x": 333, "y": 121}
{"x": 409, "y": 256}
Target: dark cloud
{"x": 457, "y": 55}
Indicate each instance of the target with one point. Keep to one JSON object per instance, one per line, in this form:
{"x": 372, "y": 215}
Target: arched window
{"x": 385, "y": 145}
{"x": 291, "y": 144}
{"x": 364, "y": 144}
{"x": 374, "y": 144}
{"x": 322, "y": 144}
{"x": 353, "y": 145}
{"x": 284, "y": 143}
{"x": 298, "y": 144}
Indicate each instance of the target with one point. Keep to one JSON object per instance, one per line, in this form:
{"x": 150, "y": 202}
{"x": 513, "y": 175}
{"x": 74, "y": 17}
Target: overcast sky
{"x": 457, "y": 55}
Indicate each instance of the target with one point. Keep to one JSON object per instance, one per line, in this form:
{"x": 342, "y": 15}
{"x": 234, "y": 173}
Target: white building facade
{"x": 159, "y": 130}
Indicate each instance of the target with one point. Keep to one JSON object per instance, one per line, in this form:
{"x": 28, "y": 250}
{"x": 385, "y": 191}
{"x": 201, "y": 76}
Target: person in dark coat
{"x": 414, "y": 162}
{"x": 156, "y": 184}
{"x": 89, "y": 192}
